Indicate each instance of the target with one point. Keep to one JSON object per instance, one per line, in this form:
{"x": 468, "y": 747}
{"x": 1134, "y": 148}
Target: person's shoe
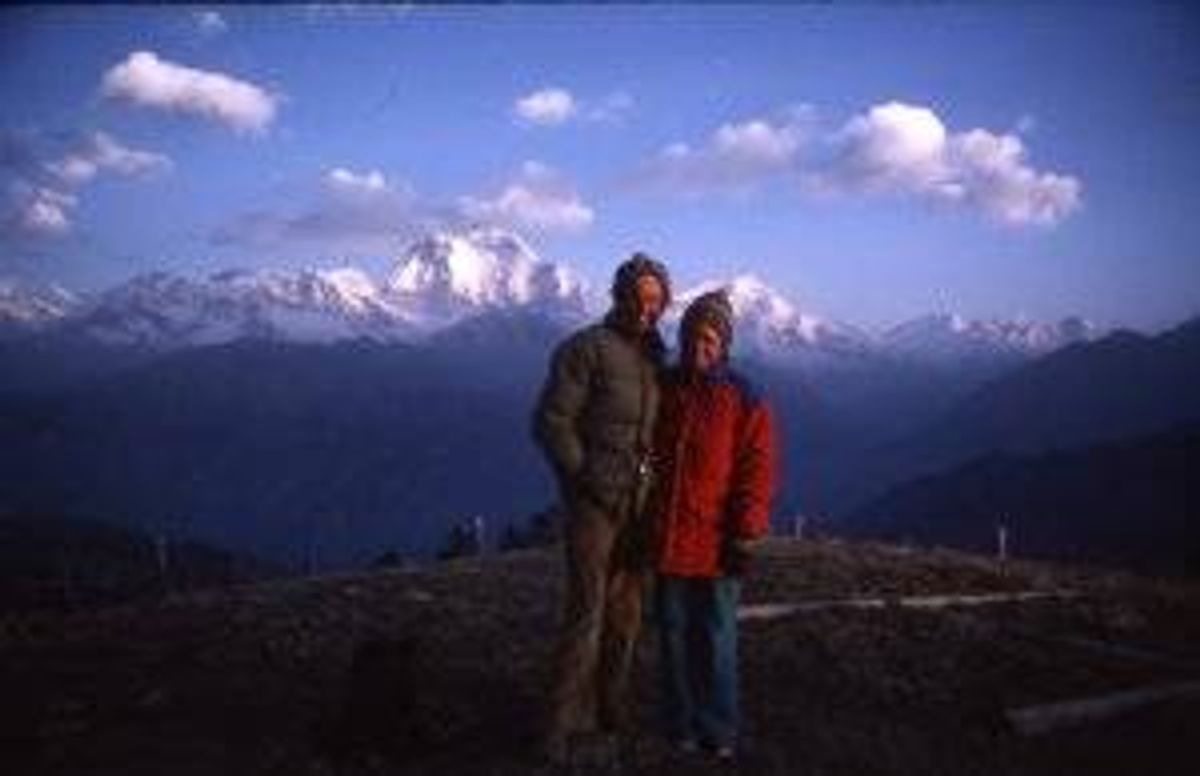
{"x": 721, "y": 751}
{"x": 556, "y": 751}
{"x": 685, "y": 745}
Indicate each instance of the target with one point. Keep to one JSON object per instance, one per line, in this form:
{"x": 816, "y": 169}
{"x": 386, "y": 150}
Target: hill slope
{"x": 1123, "y": 385}
{"x": 1130, "y": 503}
{"x": 48, "y": 561}
{"x": 272, "y": 448}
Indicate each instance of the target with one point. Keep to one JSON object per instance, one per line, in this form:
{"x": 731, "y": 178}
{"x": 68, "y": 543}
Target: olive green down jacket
{"x": 595, "y": 416}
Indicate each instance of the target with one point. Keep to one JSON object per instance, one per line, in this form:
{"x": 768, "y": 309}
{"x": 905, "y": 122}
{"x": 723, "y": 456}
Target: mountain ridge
{"x": 1124, "y": 384}
{"x": 1124, "y": 502}
{"x": 445, "y": 277}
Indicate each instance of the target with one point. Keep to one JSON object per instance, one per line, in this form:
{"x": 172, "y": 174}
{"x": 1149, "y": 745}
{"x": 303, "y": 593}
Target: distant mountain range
{"x": 439, "y": 281}
{"x": 445, "y": 278}
{"x": 1124, "y": 384}
{"x": 1130, "y": 502}
{"x": 26, "y": 308}
{"x": 328, "y": 412}
{"x": 284, "y": 449}
{"x": 943, "y": 338}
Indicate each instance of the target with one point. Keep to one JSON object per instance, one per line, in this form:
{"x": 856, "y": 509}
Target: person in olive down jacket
{"x": 595, "y": 422}
{"x": 715, "y": 479}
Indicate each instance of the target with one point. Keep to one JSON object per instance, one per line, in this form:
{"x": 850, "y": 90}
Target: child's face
{"x": 704, "y": 348}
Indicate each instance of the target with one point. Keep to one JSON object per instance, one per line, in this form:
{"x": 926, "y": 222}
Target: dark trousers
{"x": 606, "y": 574}
{"x": 697, "y": 622}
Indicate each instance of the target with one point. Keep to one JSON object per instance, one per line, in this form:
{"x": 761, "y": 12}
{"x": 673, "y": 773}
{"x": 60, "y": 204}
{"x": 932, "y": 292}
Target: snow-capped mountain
{"x": 951, "y": 338}
{"x": 163, "y": 310}
{"x": 448, "y": 279}
{"x": 447, "y": 276}
{"x": 30, "y": 307}
{"x": 767, "y": 324}
{"x": 440, "y": 280}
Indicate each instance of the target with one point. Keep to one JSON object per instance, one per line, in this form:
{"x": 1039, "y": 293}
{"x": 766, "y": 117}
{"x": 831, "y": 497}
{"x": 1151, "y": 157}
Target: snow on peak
{"x": 442, "y": 279}
{"x": 481, "y": 267}
{"x": 949, "y": 336}
{"x": 353, "y": 286}
{"x": 345, "y": 289}
{"x": 767, "y": 321}
{"x": 164, "y": 310}
{"x": 755, "y": 301}
{"x": 447, "y": 277}
{"x": 34, "y": 306}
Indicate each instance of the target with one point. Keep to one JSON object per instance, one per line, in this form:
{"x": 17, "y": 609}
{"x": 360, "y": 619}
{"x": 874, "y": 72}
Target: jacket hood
{"x": 624, "y": 284}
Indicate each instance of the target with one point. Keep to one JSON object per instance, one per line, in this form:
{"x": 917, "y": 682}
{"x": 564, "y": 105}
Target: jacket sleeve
{"x": 754, "y": 474}
{"x": 564, "y": 396}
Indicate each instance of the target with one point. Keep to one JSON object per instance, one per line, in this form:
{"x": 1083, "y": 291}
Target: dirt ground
{"x": 452, "y": 657}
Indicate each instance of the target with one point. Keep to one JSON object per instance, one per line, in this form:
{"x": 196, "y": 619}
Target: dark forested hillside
{"x": 1133, "y": 502}
{"x": 285, "y": 450}
{"x": 1123, "y": 385}
{"x": 51, "y": 562}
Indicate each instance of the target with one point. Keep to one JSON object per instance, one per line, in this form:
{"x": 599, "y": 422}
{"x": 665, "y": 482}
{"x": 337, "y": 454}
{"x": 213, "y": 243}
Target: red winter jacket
{"x": 715, "y": 461}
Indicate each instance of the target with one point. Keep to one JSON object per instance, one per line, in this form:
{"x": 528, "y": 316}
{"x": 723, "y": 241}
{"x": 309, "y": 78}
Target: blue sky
{"x": 872, "y": 163}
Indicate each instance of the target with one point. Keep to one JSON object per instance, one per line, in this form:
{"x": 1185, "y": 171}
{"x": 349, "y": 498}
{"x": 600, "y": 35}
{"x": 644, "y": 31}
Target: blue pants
{"x": 697, "y": 622}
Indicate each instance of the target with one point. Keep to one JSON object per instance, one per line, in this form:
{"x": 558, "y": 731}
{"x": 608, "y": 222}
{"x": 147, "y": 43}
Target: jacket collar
{"x": 718, "y": 374}
{"x": 651, "y": 341}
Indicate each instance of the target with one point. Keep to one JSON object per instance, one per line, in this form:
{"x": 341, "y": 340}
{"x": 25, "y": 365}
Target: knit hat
{"x": 624, "y": 285}
{"x": 714, "y": 309}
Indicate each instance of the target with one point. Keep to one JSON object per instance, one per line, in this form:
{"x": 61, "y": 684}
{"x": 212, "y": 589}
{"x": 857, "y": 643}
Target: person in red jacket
{"x": 715, "y": 457}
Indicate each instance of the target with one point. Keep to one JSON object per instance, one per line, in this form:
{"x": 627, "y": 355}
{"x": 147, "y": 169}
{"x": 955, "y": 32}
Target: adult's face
{"x": 649, "y": 296}
{"x": 704, "y": 347}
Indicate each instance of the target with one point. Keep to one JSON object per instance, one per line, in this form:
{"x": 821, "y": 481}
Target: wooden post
{"x": 160, "y": 553}
{"x": 477, "y": 528}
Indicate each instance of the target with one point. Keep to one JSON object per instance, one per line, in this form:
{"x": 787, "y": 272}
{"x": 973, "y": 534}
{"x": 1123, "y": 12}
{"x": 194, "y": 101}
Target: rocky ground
{"x": 451, "y": 665}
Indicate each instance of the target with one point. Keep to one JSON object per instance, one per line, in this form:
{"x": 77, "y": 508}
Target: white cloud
{"x": 735, "y": 158}
{"x": 146, "y": 80}
{"x": 101, "y": 151}
{"x": 756, "y": 142}
{"x": 42, "y": 195}
{"x": 546, "y": 107}
{"x": 39, "y": 211}
{"x": 537, "y": 199}
{"x": 906, "y": 149}
{"x": 892, "y": 146}
{"x": 356, "y": 212}
{"x": 554, "y": 106}
{"x": 343, "y": 180}
{"x": 993, "y": 174}
{"x": 364, "y": 212}
{"x": 210, "y": 22}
